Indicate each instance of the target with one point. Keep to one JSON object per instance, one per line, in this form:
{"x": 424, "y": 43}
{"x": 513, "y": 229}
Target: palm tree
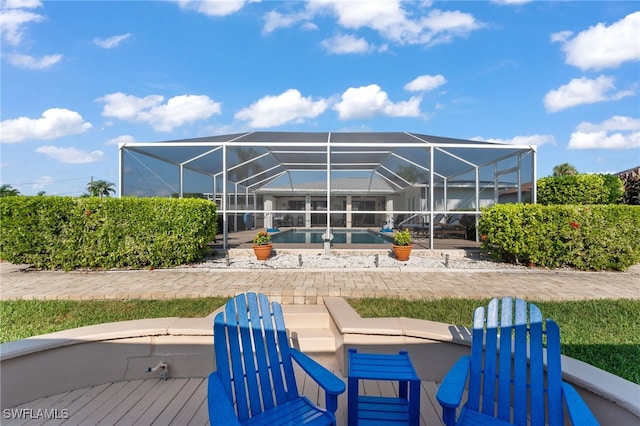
{"x": 564, "y": 169}
{"x": 100, "y": 188}
{"x": 8, "y": 191}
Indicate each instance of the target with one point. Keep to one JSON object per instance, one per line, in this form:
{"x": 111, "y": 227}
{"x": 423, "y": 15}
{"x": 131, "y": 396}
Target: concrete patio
{"x": 310, "y": 286}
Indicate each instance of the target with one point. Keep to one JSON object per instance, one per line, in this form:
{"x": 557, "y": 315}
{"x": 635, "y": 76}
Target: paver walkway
{"x": 308, "y": 287}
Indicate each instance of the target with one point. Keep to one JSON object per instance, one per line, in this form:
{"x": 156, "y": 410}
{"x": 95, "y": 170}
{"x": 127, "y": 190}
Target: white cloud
{"x": 604, "y": 47}
{"x": 120, "y": 139}
{"x": 344, "y": 44}
{"x": 537, "y": 140}
{"x": 213, "y": 7}
{"x": 55, "y": 123}
{"x": 288, "y": 107}
{"x": 178, "y": 111}
{"x": 14, "y": 18}
{"x": 127, "y": 107}
{"x": 70, "y": 155}
{"x": 615, "y": 123}
{"x": 22, "y": 4}
{"x": 370, "y": 101}
{"x": 276, "y": 20}
{"x": 561, "y": 36}
{"x": 30, "y": 62}
{"x": 309, "y": 26}
{"x": 581, "y": 91}
{"x": 387, "y": 17}
{"x": 425, "y": 83}
{"x": 618, "y": 132}
{"x": 111, "y": 42}
{"x": 455, "y": 22}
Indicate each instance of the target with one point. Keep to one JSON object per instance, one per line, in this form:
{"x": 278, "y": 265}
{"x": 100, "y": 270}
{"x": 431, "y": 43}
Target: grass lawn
{"x": 604, "y": 333}
{"x": 25, "y": 318}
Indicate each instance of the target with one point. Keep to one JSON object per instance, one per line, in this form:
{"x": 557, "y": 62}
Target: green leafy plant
{"x": 402, "y": 238}
{"x": 262, "y": 238}
{"x": 594, "y": 237}
{"x": 577, "y": 189}
{"x": 99, "y": 233}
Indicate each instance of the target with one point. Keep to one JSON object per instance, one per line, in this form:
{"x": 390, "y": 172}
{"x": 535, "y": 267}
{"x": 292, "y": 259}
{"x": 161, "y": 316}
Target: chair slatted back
{"x": 252, "y": 354}
{"x": 507, "y": 377}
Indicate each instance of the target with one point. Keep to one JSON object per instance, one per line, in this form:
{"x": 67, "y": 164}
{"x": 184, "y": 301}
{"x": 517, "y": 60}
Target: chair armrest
{"x": 451, "y": 389}
{"x": 332, "y": 385}
{"x": 221, "y": 410}
{"x": 579, "y": 411}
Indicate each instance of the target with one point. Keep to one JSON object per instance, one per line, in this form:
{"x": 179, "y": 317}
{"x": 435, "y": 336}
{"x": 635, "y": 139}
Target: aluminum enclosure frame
{"x": 411, "y": 175}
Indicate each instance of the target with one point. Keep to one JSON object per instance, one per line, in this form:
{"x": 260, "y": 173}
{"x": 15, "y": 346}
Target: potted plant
{"x": 402, "y": 245}
{"x": 262, "y": 245}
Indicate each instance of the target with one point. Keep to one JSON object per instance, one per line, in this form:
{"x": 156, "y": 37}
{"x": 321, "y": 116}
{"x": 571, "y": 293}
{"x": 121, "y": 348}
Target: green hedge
{"x": 593, "y": 237}
{"x": 580, "y": 189}
{"x": 70, "y": 233}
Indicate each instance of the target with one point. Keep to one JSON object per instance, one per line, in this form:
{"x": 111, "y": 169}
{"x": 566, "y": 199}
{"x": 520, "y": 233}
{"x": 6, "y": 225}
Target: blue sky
{"x": 79, "y": 77}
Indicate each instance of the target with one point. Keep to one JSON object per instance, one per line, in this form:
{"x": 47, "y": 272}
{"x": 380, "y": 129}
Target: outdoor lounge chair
{"x": 507, "y": 383}
{"x": 451, "y": 226}
{"x": 255, "y": 383}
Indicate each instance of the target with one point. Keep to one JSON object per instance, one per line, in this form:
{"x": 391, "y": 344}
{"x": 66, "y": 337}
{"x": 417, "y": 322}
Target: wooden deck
{"x": 176, "y": 402}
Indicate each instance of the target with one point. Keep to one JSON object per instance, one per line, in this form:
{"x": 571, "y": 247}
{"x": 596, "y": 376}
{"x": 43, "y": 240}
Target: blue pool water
{"x": 340, "y": 236}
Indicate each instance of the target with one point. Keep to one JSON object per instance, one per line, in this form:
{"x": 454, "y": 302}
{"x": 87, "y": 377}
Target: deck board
{"x": 99, "y": 403}
{"x": 120, "y": 410}
{"x": 187, "y": 404}
{"x": 184, "y": 402}
{"x": 430, "y": 409}
{"x": 154, "y": 415}
{"x": 125, "y": 394}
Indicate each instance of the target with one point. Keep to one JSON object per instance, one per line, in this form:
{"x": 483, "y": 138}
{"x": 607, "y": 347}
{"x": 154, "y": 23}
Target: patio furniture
{"x": 288, "y": 220}
{"x": 452, "y": 226}
{"x": 255, "y": 383}
{"x": 383, "y": 410}
{"x": 508, "y": 385}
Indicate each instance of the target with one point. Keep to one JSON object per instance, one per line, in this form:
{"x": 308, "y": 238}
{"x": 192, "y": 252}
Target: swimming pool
{"x": 340, "y": 236}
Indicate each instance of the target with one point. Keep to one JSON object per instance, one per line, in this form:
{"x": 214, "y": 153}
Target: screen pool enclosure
{"x": 331, "y": 180}
{"x": 338, "y": 236}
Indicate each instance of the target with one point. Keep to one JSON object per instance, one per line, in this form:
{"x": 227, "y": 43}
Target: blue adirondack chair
{"x": 254, "y": 383}
{"x": 507, "y": 383}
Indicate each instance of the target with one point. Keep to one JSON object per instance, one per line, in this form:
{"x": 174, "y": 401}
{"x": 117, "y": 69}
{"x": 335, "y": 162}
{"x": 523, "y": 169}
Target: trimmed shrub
{"x": 573, "y": 189}
{"x": 614, "y": 188}
{"x": 593, "y": 237}
{"x": 69, "y": 233}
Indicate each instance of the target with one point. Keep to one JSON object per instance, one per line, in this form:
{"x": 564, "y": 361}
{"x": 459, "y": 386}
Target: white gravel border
{"x": 338, "y": 261}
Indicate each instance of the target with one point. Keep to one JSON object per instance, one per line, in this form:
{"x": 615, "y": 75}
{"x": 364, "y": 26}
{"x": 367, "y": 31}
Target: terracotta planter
{"x": 402, "y": 252}
{"x": 262, "y": 252}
